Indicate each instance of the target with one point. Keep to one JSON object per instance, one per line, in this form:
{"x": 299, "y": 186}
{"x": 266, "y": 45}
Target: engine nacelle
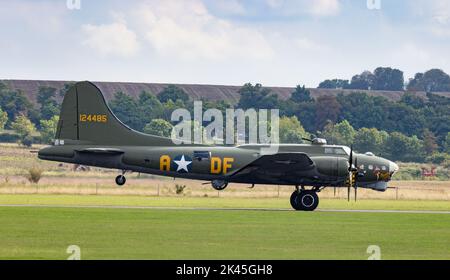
{"x": 331, "y": 166}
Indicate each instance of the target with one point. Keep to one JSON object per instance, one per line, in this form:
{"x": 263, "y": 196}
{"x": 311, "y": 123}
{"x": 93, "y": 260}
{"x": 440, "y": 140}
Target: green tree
{"x": 301, "y": 94}
{"x": 24, "y": 128}
{"x": 370, "y": 140}
{"x": 48, "y": 129}
{"x": 403, "y": 148}
{"x": 173, "y": 93}
{"x": 362, "y": 110}
{"x": 413, "y": 100}
{"x": 291, "y": 130}
{"x": 15, "y": 103}
{"x": 447, "y": 143}
{"x": 439, "y": 158}
{"x": 335, "y": 84}
{"x": 305, "y": 113}
{"x": 432, "y": 80}
{"x": 429, "y": 142}
{"x": 221, "y": 105}
{"x": 65, "y": 89}
{"x": 127, "y": 110}
{"x": 46, "y": 99}
{"x": 171, "y": 106}
{"x": 159, "y": 127}
{"x": 327, "y": 109}
{"x": 149, "y": 107}
{"x": 342, "y": 133}
{"x": 363, "y": 81}
{"x": 387, "y": 78}
{"x": 3, "y": 119}
{"x": 257, "y": 97}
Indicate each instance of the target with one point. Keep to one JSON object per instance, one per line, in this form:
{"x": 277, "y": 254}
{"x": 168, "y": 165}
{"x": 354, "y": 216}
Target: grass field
{"x": 43, "y": 219}
{"x": 214, "y": 202}
{"x": 104, "y": 233}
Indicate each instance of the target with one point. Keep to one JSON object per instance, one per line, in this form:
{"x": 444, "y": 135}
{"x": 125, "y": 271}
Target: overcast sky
{"x": 274, "y": 42}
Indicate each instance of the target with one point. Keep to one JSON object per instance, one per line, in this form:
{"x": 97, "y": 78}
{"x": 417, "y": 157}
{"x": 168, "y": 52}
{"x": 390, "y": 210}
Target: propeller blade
{"x": 350, "y": 159}
{"x": 356, "y": 178}
{"x": 348, "y": 190}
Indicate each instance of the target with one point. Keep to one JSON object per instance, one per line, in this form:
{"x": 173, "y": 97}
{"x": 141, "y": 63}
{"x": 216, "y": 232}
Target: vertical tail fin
{"x": 86, "y": 119}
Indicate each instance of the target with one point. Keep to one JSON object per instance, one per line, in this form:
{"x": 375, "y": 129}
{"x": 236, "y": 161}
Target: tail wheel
{"x": 304, "y": 200}
{"x": 120, "y": 180}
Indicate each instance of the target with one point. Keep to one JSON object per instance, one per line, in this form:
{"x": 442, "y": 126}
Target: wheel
{"x": 219, "y": 185}
{"x": 308, "y": 200}
{"x": 120, "y": 180}
{"x": 294, "y": 201}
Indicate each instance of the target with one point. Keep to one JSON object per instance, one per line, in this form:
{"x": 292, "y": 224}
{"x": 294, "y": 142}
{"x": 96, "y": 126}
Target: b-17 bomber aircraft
{"x": 89, "y": 134}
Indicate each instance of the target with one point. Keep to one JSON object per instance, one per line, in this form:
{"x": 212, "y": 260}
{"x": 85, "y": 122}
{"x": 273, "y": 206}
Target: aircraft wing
{"x": 104, "y": 151}
{"x": 282, "y": 166}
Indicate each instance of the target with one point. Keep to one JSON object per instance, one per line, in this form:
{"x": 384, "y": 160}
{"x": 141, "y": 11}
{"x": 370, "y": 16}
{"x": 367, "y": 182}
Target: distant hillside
{"x": 196, "y": 92}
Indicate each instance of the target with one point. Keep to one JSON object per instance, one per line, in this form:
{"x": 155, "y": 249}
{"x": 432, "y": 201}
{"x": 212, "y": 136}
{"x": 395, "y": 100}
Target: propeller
{"x": 352, "y": 174}
{"x": 356, "y": 176}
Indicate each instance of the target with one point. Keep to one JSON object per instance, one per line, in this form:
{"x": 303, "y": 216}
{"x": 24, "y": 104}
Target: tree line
{"x": 387, "y": 78}
{"x": 412, "y": 129}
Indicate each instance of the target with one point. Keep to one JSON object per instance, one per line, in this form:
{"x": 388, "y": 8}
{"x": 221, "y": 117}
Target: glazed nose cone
{"x": 393, "y": 168}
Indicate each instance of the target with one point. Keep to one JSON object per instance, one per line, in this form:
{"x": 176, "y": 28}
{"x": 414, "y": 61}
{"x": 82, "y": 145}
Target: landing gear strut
{"x": 304, "y": 200}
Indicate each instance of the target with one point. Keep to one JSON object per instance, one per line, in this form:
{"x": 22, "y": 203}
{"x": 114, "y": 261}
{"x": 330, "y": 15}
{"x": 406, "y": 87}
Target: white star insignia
{"x": 182, "y": 164}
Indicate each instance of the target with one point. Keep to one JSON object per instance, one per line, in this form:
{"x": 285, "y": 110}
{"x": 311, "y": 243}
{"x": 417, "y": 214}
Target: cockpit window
{"x": 346, "y": 150}
{"x": 338, "y": 151}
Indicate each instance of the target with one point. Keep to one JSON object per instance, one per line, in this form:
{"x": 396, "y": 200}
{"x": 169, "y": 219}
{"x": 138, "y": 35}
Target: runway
{"x": 223, "y": 209}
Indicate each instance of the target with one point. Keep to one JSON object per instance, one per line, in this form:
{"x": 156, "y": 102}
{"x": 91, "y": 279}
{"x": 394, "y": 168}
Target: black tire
{"x": 221, "y": 188}
{"x": 294, "y": 201}
{"x": 121, "y": 180}
{"x": 308, "y": 200}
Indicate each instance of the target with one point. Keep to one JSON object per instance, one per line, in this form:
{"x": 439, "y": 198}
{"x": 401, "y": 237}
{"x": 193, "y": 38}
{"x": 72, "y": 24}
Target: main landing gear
{"x": 219, "y": 185}
{"x": 305, "y": 200}
{"x": 121, "y": 180}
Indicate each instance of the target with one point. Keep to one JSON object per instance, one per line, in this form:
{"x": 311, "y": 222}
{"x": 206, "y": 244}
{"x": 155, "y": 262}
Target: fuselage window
{"x": 202, "y": 155}
{"x": 370, "y": 167}
{"x": 339, "y": 151}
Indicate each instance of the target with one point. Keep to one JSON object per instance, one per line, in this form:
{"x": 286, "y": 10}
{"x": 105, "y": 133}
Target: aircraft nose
{"x": 393, "y": 168}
